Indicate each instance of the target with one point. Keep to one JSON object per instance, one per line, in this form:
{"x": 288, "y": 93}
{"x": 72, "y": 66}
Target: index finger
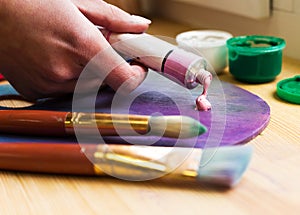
{"x": 111, "y": 17}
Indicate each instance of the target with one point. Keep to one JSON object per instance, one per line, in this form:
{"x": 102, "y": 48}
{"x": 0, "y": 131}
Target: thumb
{"x": 111, "y": 17}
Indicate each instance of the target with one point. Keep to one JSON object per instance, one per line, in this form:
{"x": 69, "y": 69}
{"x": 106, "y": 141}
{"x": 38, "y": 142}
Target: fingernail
{"x": 140, "y": 19}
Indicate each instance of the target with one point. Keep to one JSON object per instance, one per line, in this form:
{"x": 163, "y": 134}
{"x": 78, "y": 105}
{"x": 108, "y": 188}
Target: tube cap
{"x": 289, "y": 89}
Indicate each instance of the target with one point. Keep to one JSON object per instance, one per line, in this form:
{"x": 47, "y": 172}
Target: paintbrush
{"x": 222, "y": 166}
{"x": 55, "y": 123}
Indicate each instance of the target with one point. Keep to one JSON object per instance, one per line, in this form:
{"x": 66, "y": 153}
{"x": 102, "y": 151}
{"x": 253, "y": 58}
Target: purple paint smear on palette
{"x": 236, "y": 117}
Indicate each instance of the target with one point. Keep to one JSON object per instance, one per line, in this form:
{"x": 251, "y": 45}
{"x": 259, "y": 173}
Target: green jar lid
{"x": 253, "y": 45}
{"x": 289, "y": 89}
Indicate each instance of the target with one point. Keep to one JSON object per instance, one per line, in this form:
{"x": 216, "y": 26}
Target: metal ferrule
{"x": 136, "y": 162}
{"x": 106, "y": 124}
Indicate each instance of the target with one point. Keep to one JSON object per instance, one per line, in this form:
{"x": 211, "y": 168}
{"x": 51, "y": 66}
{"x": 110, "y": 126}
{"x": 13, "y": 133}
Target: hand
{"x": 44, "y": 45}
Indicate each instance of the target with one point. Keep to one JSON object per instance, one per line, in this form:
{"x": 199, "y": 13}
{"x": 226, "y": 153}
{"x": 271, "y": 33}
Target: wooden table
{"x": 271, "y": 185}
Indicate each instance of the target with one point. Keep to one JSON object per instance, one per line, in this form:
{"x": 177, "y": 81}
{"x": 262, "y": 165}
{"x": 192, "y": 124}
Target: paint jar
{"x": 255, "y": 58}
{"x": 210, "y": 44}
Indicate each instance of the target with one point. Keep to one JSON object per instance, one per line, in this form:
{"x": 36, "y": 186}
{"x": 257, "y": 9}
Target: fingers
{"x": 47, "y": 58}
{"x": 124, "y": 79}
{"x": 100, "y": 63}
{"x": 110, "y": 66}
{"x": 111, "y": 17}
{"x": 120, "y": 81}
{"x": 113, "y": 69}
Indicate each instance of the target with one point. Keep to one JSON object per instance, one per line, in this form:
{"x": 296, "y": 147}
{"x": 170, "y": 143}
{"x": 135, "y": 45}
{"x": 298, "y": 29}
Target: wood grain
{"x": 270, "y": 186}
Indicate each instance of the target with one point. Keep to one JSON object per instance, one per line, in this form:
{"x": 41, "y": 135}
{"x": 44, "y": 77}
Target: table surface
{"x": 271, "y": 184}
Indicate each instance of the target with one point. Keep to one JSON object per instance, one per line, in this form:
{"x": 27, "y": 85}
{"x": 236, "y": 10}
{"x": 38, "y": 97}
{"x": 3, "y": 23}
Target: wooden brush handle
{"x": 33, "y": 122}
{"x": 46, "y": 158}
{"x": 55, "y": 123}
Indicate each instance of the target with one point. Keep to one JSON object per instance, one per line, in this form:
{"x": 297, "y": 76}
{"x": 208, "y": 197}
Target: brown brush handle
{"x": 55, "y": 123}
{"x": 33, "y": 122}
{"x": 46, "y": 158}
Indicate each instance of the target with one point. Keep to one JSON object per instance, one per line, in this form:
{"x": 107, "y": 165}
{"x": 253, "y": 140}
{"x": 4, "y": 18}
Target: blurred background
{"x": 240, "y": 17}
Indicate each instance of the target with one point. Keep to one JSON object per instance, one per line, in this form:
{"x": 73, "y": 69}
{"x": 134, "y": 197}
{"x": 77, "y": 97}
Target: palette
{"x": 237, "y": 116}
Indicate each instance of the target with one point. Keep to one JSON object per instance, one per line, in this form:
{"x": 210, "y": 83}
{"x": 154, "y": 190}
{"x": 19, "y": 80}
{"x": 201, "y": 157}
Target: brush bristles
{"x": 175, "y": 126}
{"x": 225, "y": 165}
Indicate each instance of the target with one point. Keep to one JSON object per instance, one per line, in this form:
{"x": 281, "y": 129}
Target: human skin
{"x": 45, "y": 45}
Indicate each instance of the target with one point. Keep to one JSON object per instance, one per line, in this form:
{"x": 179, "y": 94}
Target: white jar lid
{"x": 203, "y": 38}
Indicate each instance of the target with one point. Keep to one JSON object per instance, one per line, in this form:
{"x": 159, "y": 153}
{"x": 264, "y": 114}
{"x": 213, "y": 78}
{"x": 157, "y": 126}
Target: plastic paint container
{"x": 256, "y": 58}
{"x": 289, "y": 89}
{"x": 210, "y": 44}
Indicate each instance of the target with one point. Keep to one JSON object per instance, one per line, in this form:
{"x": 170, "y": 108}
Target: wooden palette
{"x": 237, "y": 115}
